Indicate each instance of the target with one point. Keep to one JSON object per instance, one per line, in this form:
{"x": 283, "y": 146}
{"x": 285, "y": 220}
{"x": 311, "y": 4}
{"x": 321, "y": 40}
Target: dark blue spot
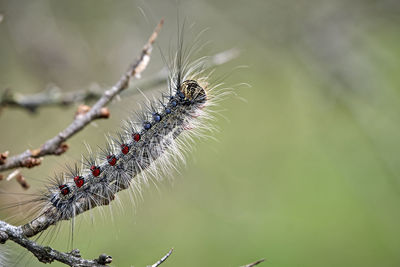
{"x": 181, "y": 95}
{"x": 57, "y": 204}
{"x": 156, "y": 117}
{"x": 168, "y": 110}
{"x": 173, "y": 103}
{"x": 147, "y": 125}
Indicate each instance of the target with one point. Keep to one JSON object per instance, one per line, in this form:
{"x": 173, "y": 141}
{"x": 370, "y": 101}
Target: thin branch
{"x": 56, "y": 145}
{"x": 47, "y": 254}
{"x": 53, "y": 96}
{"x": 254, "y": 263}
{"x": 158, "y": 263}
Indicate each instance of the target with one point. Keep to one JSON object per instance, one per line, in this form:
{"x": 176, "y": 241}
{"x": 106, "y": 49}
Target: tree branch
{"x": 254, "y": 263}
{"x": 158, "y": 263}
{"x": 51, "y": 96}
{"x": 54, "y": 96}
{"x": 56, "y": 145}
{"x": 47, "y": 254}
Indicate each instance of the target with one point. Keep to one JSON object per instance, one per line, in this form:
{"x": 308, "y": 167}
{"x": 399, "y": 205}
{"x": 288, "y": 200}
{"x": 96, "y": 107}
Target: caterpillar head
{"x": 192, "y": 91}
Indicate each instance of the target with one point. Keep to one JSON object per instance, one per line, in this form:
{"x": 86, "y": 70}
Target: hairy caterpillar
{"x": 147, "y": 144}
{"x": 135, "y": 151}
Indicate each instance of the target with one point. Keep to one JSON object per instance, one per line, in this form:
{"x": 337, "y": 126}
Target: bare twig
{"x": 52, "y": 96}
{"x": 47, "y": 254}
{"x": 55, "y": 146}
{"x": 254, "y": 263}
{"x": 55, "y": 97}
{"x": 158, "y": 263}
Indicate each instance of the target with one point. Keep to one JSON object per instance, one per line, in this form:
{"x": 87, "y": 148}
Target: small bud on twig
{"x": 3, "y": 157}
{"x": 22, "y": 181}
{"x": 31, "y": 162}
{"x": 61, "y": 149}
{"x": 82, "y": 109}
{"x": 104, "y": 113}
{"x": 35, "y": 152}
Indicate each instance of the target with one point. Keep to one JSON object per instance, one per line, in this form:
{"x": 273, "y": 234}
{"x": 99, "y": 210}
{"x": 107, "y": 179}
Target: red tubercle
{"x": 95, "y": 170}
{"x": 136, "y": 137}
{"x": 112, "y": 160}
{"x": 124, "y": 149}
{"x": 79, "y": 181}
{"x": 64, "y": 189}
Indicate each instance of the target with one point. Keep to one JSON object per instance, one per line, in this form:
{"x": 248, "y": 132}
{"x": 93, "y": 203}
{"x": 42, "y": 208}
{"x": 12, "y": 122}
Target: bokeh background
{"x": 305, "y": 171}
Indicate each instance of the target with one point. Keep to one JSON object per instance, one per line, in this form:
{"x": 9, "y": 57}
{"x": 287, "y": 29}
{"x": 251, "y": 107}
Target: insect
{"x": 148, "y": 144}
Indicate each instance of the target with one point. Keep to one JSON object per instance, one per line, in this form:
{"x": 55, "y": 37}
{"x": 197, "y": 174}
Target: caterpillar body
{"x": 146, "y": 144}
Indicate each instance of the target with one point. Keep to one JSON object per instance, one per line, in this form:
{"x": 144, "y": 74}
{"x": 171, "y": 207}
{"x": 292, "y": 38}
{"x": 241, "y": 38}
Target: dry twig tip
{"x": 158, "y": 263}
{"x": 254, "y": 263}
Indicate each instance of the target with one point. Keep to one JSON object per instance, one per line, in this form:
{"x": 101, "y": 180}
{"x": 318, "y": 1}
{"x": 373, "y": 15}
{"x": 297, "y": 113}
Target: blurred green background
{"x": 305, "y": 172}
